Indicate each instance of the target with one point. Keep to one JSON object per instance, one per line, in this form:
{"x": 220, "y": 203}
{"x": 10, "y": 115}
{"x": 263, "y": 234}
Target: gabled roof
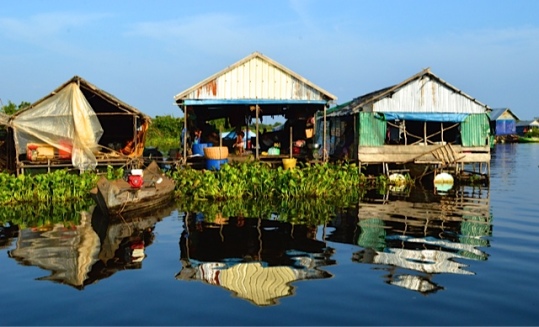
{"x": 348, "y": 107}
{"x": 87, "y": 87}
{"x": 370, "y": 98}
{"x": 534, "y": 122}
{"x": 210, "y": 88}
{"x": 496, "y": 113}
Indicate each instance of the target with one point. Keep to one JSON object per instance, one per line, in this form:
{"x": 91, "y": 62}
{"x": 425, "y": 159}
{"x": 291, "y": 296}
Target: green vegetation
{"x": 258, "y": 180}
{"x": 305, "y": 211}
{"x": 339, "y": 183}
{"x": 44, "y": 214}
{"x": 533, "y": 132}
{"x": 165, "y": 131}
{"x": 57, "y": 187}
{"x": 10, "y": 108}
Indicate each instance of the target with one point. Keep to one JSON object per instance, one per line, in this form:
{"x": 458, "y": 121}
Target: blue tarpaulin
{"x": 430, "y": 117}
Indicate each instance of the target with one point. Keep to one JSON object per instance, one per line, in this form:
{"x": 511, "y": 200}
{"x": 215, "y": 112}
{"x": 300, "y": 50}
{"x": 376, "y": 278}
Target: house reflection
{"x": 8, "y": 232}
{"x": 95, "y": 249}
{"x": 256, "y": 259}
{"x": 416, "y": 237}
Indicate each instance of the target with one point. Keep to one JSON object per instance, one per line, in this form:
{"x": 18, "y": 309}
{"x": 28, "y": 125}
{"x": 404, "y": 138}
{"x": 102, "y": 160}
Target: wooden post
{"x": 324, "y": 152}
{"x": 220, "y": 138}
{"x": 405, "y": 132}
{"x": 257, "y": 132}
{"x": 442, "y": 126}
{"x": 425, "y": 133}
{"x": 185, "y": 134}
{"x": 291, "y": 142}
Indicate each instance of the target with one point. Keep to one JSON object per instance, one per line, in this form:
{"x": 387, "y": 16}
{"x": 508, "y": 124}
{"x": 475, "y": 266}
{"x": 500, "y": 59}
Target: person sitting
{"x": 198, "y": 136}
{"x": 240, "y": 144}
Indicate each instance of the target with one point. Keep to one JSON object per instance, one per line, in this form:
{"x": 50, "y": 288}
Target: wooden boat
{"x": 144, "y": 190}
{"x": 524, "y": 139}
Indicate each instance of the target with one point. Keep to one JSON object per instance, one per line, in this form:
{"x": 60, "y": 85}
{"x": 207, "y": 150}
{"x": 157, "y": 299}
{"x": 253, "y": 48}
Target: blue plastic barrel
{"x": 198, "y": 148}
{"x": 215, "y": 164}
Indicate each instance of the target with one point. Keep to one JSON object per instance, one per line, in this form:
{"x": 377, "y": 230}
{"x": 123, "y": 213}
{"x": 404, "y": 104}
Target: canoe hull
{"x": 118, "y": 197}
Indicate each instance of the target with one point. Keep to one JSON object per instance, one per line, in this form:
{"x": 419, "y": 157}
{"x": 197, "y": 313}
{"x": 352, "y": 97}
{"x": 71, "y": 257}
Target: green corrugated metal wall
{"x": 475, "y": 130}
{"x": 372, "y": 129}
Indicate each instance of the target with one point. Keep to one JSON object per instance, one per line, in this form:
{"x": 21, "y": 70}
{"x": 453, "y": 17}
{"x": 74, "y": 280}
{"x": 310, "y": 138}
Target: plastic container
{"x": 216, "y": 152}
{"x": 215, "y": 164}
{"x": 65, "y": 151}
{"x": 289, "y": 163}
{"x": 39, "y": 152}
{"x": 199, "y": 148}
{"x": 136, "y": 172}
{"x": 274, "y": 151}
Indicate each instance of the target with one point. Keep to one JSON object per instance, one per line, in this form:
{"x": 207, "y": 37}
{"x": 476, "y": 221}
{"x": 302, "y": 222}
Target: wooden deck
{"x": 422, "y": 154}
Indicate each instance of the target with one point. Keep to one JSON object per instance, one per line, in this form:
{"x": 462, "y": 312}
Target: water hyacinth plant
{"x": 255, "y": 180}
{"x": 260, "y": 181}
{"x": 59, "y": 186}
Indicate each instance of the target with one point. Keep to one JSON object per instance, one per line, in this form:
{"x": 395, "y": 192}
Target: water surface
{"x": 469, "y": 257}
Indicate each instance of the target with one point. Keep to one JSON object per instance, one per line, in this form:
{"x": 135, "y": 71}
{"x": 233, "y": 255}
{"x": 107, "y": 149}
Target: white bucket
{"x": 136, "y": 172}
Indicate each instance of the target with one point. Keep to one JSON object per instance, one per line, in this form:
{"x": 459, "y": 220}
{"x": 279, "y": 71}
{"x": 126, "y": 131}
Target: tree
{"x": 10, "y": 108}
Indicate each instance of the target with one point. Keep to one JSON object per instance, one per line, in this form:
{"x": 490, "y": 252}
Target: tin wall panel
{"x": 475, "y": 130}
{"x": 256, "y": 79}
{"x": 427, "y": 96}
{"x": 372, "y": 130}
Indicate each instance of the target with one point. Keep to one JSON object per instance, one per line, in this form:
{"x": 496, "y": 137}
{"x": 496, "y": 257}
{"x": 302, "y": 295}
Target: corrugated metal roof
{"x": 255, "y": 77}
{"x": 424, "y": 92}
{"x": 498, "y": 112}
{"x": 528, "y": 123}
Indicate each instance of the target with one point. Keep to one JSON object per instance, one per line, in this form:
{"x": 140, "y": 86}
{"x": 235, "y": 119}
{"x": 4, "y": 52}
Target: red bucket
{"x": 135, "y": 181}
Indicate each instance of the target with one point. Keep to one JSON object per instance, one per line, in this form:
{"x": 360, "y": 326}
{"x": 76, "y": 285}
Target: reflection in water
{"x": 415, "y": 237}
{"x": 8, "y": 232}
{"x": 96, "y": 248}
{"x": 504, "y": 160}
{"x": 256, "y": 259}
{"x": 68, "y": 252}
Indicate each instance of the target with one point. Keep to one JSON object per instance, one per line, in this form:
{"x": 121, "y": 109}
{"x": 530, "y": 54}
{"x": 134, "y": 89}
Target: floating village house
{"x": 77, "y": 125}
{"x": 503, "y": 124}
{"x": 253, "y": 88}
{"x": 524, "y": 126}
{"x": 422, "y": 122}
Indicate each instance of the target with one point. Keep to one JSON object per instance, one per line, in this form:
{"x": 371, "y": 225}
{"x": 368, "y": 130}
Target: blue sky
{"x": 145, "y": 52}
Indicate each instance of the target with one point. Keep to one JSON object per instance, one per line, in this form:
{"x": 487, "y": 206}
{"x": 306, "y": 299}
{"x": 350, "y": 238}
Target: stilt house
{"x": 249, "y": 90}
{"x": 76, "y": 126}
{"x": 503, "y": 124}
{"x": 421, "y": 121}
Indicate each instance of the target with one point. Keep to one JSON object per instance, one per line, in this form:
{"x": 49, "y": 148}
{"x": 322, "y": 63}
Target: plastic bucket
{"x": 199, "y": 148}
{"x": 215, "y": 164}
{"x": 289, "y": 163}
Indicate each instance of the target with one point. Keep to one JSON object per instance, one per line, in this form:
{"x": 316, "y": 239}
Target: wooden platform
{"x": 422, "y": 154}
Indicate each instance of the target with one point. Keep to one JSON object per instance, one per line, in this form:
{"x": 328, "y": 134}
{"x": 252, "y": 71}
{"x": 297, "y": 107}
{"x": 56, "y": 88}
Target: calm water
{"x": 467, "y": 258}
